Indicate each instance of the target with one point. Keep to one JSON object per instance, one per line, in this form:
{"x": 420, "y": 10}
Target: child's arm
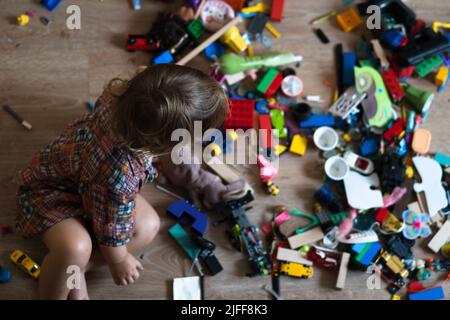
{"x": 124, "y": 266}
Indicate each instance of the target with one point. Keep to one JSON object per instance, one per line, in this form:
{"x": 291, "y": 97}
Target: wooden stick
{"x": 208, "y": 41}
{"x": 199, "y": 9}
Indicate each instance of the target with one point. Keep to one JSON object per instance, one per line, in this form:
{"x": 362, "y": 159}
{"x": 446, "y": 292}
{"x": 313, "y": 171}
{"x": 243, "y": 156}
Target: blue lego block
{"x": 429, "y": 294}
{"x": 443, "y": 159}
{"x": 214, "y": 51}
{"x": 183, "y": 239}
{"x": 50, "y": 4}
{"x": 348, "y": 68}
{"x": 369, "y": 145}
{"x": 163, "y": 58}
{"x": 368, "y": 251}
{"x": 318, "y": 120}
{"x": 262, "y": 106}
{"x": 5, "y": 275}
{"x": 187, "y": 213}
{"x": 393, "y": 38}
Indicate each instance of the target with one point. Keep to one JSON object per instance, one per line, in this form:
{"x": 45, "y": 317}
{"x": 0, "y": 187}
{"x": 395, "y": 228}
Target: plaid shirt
{"x": 88, "y": 161}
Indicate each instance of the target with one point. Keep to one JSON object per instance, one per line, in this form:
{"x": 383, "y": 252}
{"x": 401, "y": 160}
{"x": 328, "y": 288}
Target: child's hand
{"x": 127, "y": 271}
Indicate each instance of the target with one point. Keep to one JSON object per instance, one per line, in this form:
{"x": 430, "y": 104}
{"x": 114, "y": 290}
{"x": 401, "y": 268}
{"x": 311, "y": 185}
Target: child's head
{"x": 163, "y": 98}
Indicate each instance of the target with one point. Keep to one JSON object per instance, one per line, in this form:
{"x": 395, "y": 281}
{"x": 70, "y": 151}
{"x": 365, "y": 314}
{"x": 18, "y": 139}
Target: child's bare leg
{"x": 68, "y": 243}
{"x": 147, "y": 227}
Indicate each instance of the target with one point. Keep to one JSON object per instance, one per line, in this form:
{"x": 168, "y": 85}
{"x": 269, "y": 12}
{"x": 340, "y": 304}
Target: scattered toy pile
{"x": 366, "y": 214}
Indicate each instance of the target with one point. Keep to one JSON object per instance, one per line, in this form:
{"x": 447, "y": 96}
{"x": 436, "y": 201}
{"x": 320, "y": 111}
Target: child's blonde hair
{"x": 163, "y": 98}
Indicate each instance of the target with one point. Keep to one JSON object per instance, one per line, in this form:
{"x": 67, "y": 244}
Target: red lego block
{"x": 392, "y": 84}
{"x": 237, "y": 5}
{"x": 241, "y": 114}
{"x": 274, "y": 86}
{"x": 394, "y": 130}
{"x": 401, "y": 73}
{"x": 277, "y": 10}
{"x": 265, "y": 123}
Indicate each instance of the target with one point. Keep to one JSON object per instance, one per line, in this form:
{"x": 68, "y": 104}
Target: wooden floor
{"x": 48, "y": 73}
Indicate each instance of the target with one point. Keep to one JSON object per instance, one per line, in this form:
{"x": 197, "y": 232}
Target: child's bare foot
{"x": 79, "y": 294}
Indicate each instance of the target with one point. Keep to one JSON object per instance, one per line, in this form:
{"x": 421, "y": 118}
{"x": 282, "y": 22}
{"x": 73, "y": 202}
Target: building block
{"x": 270, "y": 83}
{"x": 428, "y": 294}
{"x": 276, "y": 13}
{"x": 440, "y": 238}
{"x": 50, "y": 4}
{"x": 241, "y": 114}
{"x": 290, "y": 255}
{"x": 298, "y": 145}
{"x": 258, "y": 24}
{"x": 306, "y": 237}
{"x": 425, "y": 67}
{"x": 265, "y": 123}
{"x": 348, "y": 68}
{"x": 396, "y": 128}
{"x": 318, "y": 120}
{"x": 393, "y": 86}
{"x": 369, "y": 145}
{"x": 343, "y": 269}
{"x": 237, "y": 5}
{"x": 187, "y": 213}
{"x": 441, "y": 76}
{"x": 394, "y": 39}
{"x": 366, "y": 252}
{"x": 185, "y": 241}
{"x": 195, "y": 29}
{"x": 349, "y": 19}
{"x": 163, "y": 58}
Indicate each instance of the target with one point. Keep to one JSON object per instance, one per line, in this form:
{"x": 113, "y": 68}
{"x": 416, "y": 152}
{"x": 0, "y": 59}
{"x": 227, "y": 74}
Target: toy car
{"x": 25, "y": 263}
{"x": 141, "y": 43}
{"x": 296, "y": 270}
{"x": 358, "y": 163}
{"x": 321, "y": 259}
{"x": 395, "y": 264}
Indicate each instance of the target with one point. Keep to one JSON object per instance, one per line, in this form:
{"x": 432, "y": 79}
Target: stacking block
{"x": 270, "y": 83}
{"x": 348, "y": 68}
{"x": 187, "y": 213}
{"x": 298, "y": 145}
{"x": 366, "y": 252}
{"x": 306, "y": 237}
{"x": 318, "y": 120}
{"x": 393, "y": 86}
{"x": 425, "y": 67}
{"x": 349, "y": 19}
{"x": 195, "y": 29}
{"x": 266, "y": 124}
{"x": 163, "y": 58}
{"x": 276, "y": 13}
{"x": 428, "y": 294}
{"x": 241, "y": 114}
{"x": 441, "y": 76}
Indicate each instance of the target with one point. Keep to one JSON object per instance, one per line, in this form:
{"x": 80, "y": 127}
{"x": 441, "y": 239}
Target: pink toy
{"x": 346, "y": 226}
{"x": 267, "y": 171}
{"x": 215, "y": 14}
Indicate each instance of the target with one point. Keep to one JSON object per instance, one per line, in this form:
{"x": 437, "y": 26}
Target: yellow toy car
{"x": 296, "y": 270}
{"x": 25, "y": 263}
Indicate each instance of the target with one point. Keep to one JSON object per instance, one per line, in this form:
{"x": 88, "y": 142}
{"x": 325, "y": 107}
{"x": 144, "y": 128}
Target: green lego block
{"x": 266, "y": 81}
{"x": 184, "y": 241}
{"x": 195, "y": 29}
{"x": 425, "y": 67}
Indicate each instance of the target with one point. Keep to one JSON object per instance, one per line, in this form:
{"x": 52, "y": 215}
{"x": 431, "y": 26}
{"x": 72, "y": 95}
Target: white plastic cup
{"x": 326, "y": 138}
{"x": 336, "y": 168}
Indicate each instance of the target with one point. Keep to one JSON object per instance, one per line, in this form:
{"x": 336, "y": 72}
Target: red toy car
{"x": 141, "y": 43}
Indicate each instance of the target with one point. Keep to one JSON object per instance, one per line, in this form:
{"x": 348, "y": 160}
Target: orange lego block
{"x": 349, "y": 19}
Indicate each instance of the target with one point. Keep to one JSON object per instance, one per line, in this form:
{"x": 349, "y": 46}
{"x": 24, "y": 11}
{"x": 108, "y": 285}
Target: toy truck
{"x": 244, "y": 236}
{"x": 296, "y": 270}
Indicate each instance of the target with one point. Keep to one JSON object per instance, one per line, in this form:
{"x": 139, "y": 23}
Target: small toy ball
{"x": 23, "y": 20}
{"x": 305, "y": 249}
{"x": 5, "y": 275}
{"x": 292, "y": 86}
{"x": 409, "y": 173}
{"x": 215, "y": 14}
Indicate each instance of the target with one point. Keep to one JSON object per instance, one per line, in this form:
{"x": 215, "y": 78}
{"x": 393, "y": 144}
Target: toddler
{"x": 80, "y": 193}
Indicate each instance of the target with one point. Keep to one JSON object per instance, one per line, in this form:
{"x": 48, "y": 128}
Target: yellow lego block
{"x": 349, "y": 19}
{"x": 279, "y": 149}
{"x": 441, "y": 76}
{"x": 395, "y": 297}
{"x": 233, "y": 39}
{"x": 250, "y": 51}
{"x": 298, "y": 145}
